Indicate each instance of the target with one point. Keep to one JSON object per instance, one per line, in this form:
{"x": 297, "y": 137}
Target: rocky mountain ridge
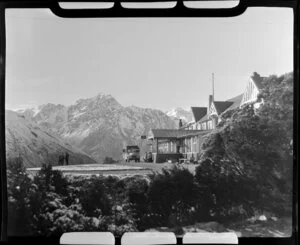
{"x": 100, "y": 126}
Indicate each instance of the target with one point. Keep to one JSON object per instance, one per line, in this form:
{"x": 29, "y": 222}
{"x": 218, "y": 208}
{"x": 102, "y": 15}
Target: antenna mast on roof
{"x": 213, "y": 86}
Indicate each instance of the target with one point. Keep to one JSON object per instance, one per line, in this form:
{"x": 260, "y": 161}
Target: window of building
{"x": 188, "y": 145}
{"x": 209, "y": 124}
{"x": 163, "y": 147}
{"x": 194, "y": 144}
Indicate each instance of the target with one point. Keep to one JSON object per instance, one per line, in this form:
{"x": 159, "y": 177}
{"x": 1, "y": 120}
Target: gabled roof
{"x": 171, "y": 133}
{"x": 221, "y": 106}
{"x": 203, "y": 119}
{"x": 198, "y": 112}
{"x": 258, "y": 81}
{"x": 237, "y": 100}
{"x": 212, "y": 109}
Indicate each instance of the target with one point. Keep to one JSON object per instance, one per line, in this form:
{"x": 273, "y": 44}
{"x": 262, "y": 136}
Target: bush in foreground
{"x": 247, "y": 161}
{"x": 172, "y": 197}
{"x": 19, "y": 189}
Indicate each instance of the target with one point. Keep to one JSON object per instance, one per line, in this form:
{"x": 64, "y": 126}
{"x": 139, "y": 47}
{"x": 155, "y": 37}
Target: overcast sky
{"x": 150, "y": 62}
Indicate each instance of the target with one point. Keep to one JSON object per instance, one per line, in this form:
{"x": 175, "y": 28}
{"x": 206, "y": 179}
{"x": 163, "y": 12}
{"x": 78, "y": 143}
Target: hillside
{"x": 36, "y": 146}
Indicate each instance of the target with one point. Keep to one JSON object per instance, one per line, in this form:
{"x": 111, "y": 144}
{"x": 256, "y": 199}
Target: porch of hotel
{"x": 175, "y": 144}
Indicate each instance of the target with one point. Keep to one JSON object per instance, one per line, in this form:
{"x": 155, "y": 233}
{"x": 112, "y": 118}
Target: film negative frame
{"x": 118, "y": 11}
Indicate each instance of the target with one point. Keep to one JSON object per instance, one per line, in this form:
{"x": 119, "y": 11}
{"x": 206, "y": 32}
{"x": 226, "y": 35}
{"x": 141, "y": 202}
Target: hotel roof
{"x": 237, "y": 100}
{"x": 258, "y": 81}
{"x": 203, "y": 119}
{"x": 221, "y": 106}
{"x": 198, "y": 112}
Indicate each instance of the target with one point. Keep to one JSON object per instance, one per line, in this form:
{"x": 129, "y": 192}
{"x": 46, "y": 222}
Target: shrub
{"x": 48, "y": 179}
{"x": 120, "y": 221}
{"x": 94, "y": 198}
{"x": 136, "y": 189}
{"x": 19, "y": 189}
{"x": 172, "y": 195}
{"x": 55, "y": 218}
{"x": 224, "y": 194}
{"x": 246, "y": 163}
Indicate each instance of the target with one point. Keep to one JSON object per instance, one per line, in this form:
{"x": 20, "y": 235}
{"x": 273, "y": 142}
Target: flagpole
{"x": 213, "y": 86}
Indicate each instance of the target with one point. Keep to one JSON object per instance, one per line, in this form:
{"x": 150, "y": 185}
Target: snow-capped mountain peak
{"x": 180, "y": 113}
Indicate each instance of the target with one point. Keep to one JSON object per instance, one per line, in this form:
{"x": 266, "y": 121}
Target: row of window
{"x": 164, "y": 147}
{"x": 190, "y": 145}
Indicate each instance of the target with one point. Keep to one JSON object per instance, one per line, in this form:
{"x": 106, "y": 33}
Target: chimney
{"x": 180, "y": 123}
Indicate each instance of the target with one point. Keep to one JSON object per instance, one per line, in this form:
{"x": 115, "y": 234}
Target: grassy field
{"x": 157, "y": 167}
{"x": 117, "y": 169}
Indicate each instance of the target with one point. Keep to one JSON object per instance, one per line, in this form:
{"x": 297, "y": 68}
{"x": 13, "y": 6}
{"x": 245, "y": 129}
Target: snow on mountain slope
{"x": 180, "y": 113}
{"x": 100, "y": 125}
{"x": 26, "y": 139}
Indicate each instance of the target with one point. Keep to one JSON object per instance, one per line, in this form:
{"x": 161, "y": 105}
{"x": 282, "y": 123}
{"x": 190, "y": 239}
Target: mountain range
{"x": 99, "y": 126}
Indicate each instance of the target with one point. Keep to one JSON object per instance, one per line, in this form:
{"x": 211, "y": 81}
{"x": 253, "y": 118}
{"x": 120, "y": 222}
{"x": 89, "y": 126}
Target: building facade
{"x": 185, "y": 142}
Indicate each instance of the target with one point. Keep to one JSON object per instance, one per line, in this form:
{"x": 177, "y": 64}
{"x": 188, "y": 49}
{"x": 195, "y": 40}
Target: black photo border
{"x": 118, "y": 11}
